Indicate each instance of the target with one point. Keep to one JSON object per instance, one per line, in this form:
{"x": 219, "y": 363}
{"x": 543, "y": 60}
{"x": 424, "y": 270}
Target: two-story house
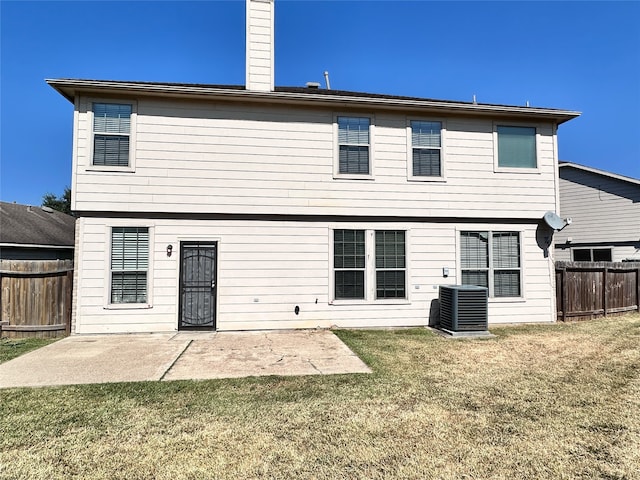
{"x": 261, "y": 207}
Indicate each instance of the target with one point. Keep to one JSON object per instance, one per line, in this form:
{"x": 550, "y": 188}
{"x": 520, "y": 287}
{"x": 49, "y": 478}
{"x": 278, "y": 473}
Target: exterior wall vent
{"x": 463, "y": 308}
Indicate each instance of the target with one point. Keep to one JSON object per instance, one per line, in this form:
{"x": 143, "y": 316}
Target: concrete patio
{"x": 83, "y": 359}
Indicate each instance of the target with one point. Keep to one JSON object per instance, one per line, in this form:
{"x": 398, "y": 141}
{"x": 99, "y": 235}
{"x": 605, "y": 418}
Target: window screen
{"x": 506, "y": 264}
{"x": 492, "y": 260}
{"x": 111, "y": 130}
{"x": 390, "y": 264}
{"x": 426, "y": 144}
{"x": 474, "y": 258}
{"x": 129, "y": 264}
{"x": 517, "y": 147}
{"x": 349, "y": 263}
{"x": 353, "y": 141}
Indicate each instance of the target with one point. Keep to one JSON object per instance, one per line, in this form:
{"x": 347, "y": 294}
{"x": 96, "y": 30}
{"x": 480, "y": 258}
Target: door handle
{"x": 213, "y": 284}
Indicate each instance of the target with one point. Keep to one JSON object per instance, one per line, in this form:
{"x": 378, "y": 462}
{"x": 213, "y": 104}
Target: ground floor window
{"x": 369, "y": 264}
{"x": 592, "y": 254}
{"x": 493, "y": 260}
{"x": 129, "y": 264}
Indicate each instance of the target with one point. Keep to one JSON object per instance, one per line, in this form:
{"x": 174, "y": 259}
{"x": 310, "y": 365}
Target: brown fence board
{"x": 591, "y": 289}
{"x": 35, "y": 297}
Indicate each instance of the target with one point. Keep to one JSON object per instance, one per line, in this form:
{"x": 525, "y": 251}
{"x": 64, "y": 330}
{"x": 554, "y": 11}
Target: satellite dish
{"x": 554, "y": 221}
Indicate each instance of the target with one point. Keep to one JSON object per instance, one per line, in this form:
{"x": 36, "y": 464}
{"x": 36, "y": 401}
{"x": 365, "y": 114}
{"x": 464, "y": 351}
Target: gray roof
{"x": 597, "y": 171}
{"x": 29, "y": 225}
{"x": 70, "y": 87}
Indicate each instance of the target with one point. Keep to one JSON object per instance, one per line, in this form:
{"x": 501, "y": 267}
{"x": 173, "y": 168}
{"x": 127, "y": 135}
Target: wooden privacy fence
{"x": 35, "y": 297}
{"x": 592, "y": 289}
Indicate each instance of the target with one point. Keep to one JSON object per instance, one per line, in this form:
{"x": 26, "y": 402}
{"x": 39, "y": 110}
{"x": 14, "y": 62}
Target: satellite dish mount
{"x": 555, "y": 222}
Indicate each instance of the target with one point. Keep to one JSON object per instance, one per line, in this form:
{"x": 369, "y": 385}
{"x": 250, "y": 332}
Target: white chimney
{"x": 260, "y": 45}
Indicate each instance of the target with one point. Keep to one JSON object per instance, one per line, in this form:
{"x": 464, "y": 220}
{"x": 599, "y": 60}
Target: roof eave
{"x": 597, "y": 171}
{"x": 69, "y": 88}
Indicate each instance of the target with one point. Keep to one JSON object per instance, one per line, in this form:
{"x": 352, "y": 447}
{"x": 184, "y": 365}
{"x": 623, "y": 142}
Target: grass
{"x": 536, "y": 402}
{"x": 14, "y": 347}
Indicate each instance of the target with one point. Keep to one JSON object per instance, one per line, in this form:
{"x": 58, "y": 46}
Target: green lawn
{"x": 13, "y": 347}
{"x": 536, "y": 402}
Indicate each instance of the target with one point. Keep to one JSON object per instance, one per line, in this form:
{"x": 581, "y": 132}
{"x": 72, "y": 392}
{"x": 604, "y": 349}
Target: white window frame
{"x": 524, "y": 170}
{"x": 443, "y": 134}
{"x": 132, "y": 136}
{"x": 370, "y": 266}
{"x": 491, "y": 229}
{"x": 336, "y": 148}
{"x": 107, "y": 268}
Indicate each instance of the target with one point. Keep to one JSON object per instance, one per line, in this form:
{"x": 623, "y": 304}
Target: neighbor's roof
{"x": 35, "y": 226}
{"x": 69, "y": 88}
{"x": 604, "y": 173}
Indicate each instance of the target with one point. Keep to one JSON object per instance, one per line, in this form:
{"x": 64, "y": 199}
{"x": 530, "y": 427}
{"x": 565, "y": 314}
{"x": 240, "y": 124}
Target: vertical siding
{"x": 266, "y": 268}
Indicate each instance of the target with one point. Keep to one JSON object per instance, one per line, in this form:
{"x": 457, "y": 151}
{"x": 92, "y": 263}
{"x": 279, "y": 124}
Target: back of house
{"x": 258, "y": 207}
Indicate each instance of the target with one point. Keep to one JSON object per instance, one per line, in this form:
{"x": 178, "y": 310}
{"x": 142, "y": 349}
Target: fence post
{"x": 638, "y": 288}
{"x": 565, "y": 292}
{"x": 604, "y": 290}
{"x": 68, "y": 302}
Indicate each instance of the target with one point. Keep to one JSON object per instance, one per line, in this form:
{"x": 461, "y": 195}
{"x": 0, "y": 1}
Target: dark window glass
{"x": 581, "y": 255}
{"x": 349, "y": 263}
{"x": 517, "y": 147}
{"x": 390, "y": 264}
{"x": 353, "y": 141}
{"x": 601, "y": 254}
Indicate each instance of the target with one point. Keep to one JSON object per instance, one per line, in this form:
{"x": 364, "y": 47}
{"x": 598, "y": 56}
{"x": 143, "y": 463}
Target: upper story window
{"x": 516, "y": 147}
{"x": 425, "y": 150}
{"x": 492, "y": 260}
{"x": 111, "y": 134}
{"x": 129, "y": 264}
{"x": 354, "y": 146}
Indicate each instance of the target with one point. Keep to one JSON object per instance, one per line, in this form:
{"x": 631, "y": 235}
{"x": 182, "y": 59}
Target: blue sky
{"x": 581, "y": 56}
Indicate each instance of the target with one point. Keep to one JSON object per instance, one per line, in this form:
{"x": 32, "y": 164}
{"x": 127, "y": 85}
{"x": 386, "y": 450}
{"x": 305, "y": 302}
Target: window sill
{"x": 389, "y": 301}
{"x": 128, "y": 306}
{"x": 106, "y": 168}
{"x": 346, "y": 176}
{"x": 427, "y": 179}
{"x": 507, "y": 300}
{"x": 525, "y": 170}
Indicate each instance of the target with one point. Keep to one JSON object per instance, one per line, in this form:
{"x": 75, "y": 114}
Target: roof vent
{"x": 47, "y": 209}
{"x": 313, "y": 85}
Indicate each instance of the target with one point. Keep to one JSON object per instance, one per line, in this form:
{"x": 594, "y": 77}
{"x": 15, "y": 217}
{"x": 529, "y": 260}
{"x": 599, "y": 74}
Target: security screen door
{"x": 198, "y": 285}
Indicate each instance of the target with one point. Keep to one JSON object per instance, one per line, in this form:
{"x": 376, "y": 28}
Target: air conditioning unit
{"x": 463, "y": 308}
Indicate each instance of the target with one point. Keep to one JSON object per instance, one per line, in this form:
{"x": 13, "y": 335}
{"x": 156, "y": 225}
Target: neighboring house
{"x": 262, "y": 207}
{"x": 605, "y": 209}
{"x": 35, "y": 233}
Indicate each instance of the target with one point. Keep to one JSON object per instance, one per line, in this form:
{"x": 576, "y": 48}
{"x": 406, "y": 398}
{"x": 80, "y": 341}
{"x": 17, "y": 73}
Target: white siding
{"x": 259, "y": 74}
{"x": 266, "y": 268}
{"x": 251, "y": 159}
